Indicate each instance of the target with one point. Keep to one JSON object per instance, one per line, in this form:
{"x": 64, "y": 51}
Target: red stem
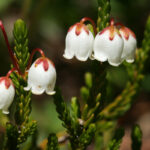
{"x": 10, "y": 71}
{"x": 93, "y": 23}
{"x": 8, "y": 46}
{"x": 32, "y": 54}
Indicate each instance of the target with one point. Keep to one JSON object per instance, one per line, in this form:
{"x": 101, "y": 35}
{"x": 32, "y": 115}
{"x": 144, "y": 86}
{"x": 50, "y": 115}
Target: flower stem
{"x": 9, "y": 49}
{"x": 10, "y": 71}
{"x": 89, "y": 19}
{"x": 32, "y": 54}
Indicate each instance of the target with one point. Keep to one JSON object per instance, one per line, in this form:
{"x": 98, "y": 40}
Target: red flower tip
{"x": 6, "y": 81}
{"x": 44, "y": 61}
{"x": 79, "y": 27}
{"x": 126, "y": 31}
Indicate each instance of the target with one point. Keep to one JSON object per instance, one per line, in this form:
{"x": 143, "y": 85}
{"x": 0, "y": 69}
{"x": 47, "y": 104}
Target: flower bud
{"x": 130, "y": 44}
{"x": 79, "y": 42}
{"x": 7, "y": 93}
{"x": 108, "y": 45}
{"x": 41, "y": 77}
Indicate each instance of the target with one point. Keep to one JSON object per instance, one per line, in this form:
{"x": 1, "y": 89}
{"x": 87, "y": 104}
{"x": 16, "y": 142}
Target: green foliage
{"x": 12, "y": 135}
{"x": 80, "y": 133}
{"x": 24, "y": 127}
{"x": 23, "y": 100}
{"x": 87, "y": 136}
{"x": 21, "y": 44}
{"x": 146, "y": 43}
{"x": 116, "y": 141}
{"x": 75, "y": 106}
{"x": 52, "y": 142}
{"x": 103, "y": 14}
{"x": 63, "y": 112}
{"x": 88, "y": 80}
{"x": 136, "y": 136}
{"x": 69, "y": 122}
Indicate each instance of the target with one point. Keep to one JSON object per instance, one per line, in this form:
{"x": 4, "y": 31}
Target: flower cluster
{"x": 112, "y": 44}
{"x": 41, "y": 77}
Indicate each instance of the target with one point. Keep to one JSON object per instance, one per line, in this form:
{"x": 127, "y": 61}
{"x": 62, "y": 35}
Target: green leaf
{"x": 117, "y": 139}
{"x": 85, "y": 93}
{"x": 52, "y": 142}
{"x": 136, "y": 136}
{"x": 88, "y": 79}
{"x": 12, "y": 135}
{"x": 75, "y": 106}
{"x": 87, "y": 136}
{"x": 72, "y": 126}
{"x": 103, "y": 14}
{"x": 21, "y": 50}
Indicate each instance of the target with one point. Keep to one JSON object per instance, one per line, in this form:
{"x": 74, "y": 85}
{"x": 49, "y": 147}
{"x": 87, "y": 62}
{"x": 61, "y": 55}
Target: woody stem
{"x": 92, "y": 22}
{"x": 32, "y": 54}
{"x": 9, "y": 49}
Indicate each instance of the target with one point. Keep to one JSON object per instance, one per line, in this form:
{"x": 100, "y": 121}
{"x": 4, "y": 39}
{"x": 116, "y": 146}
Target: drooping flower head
{"x": 7, "y": 93}
{"x": 41, "y": 77}
{"x": 108, "y": 45}
{"x": 79, "y": 41}
{"x": 130, "y": 44}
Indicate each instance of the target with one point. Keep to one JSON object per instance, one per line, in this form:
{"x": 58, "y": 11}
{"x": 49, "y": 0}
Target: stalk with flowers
{"x": 110, "y": 42}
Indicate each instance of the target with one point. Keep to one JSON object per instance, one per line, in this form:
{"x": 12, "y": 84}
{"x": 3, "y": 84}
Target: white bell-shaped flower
{"x": 108, "y": 45}
{"x": 7, "y": 93}
{"x": 41, "y": 77}
{"x": 79, "y": 42}
{"x": 130, "y": 44}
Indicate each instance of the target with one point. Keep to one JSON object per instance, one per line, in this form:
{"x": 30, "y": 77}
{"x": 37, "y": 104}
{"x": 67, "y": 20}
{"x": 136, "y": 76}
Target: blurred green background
{"x": 48, "y": 22}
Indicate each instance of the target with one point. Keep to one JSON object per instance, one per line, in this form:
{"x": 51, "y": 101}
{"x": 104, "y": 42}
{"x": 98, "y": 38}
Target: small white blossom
{"x": 79, "y": 42}
{"x": 41, "y": 77}
{"x": 130, "y": 44}
{"x": 7, "y": 93}
{"x": 108, "y": 45}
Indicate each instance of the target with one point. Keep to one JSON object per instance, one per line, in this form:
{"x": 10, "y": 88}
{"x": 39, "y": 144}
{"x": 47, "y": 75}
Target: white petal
{"x": 91, "y": 57}
{"x": 71, "y": 44}
{"x": 39, "y": 79}
{"x": 5, "y": 112}
{"x": 67, "y": 55}
{"x": 27, "y": 88}
{"x": 114, "y": 62}
{"x": 85, "y": 45}
{"x": 130, "y": 59}
{"x": 106, "y": 49}
{"x": 50, "y": 92}
{"x": 50, "y": 87}
{"x": 129, "y": 48}
{"x": 6, "y": 97}
{"x": 100, "y": 56}
{"x": 37, "y": 90}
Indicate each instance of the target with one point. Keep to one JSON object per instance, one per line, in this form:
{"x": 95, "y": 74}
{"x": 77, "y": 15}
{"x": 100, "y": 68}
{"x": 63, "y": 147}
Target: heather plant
{"x": 92, "y": 116}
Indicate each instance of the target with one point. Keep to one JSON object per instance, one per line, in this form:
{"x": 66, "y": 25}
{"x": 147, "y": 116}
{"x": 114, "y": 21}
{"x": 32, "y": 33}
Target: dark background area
{"x": 48, "y": 22}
